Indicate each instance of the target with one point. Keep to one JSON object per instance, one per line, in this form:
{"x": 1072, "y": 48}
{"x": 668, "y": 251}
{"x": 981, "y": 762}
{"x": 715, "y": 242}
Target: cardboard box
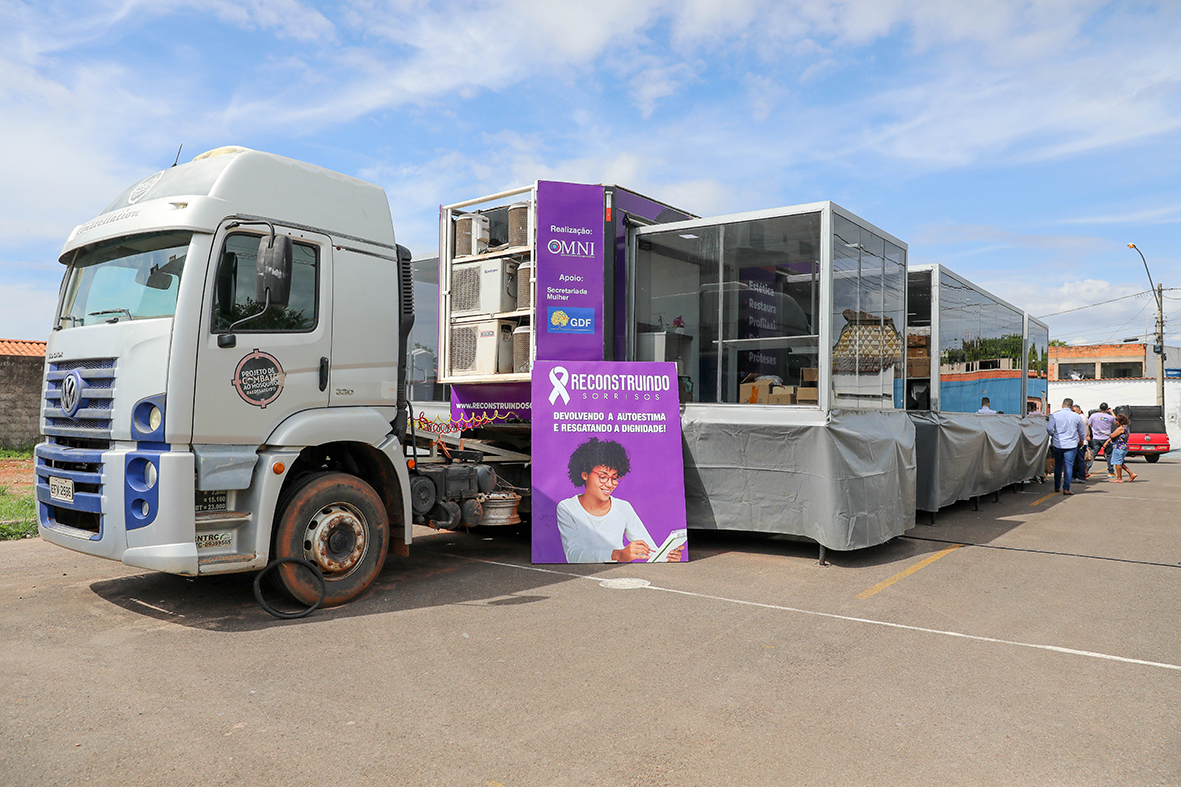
{"x": 810, "y": 375}
{"x": 807, "y": 395}
{"x": 755, "y": 393}
{"x": 782, "y": 394}
{"x": 918, "y": 367}
{"x": 918, "y": 352}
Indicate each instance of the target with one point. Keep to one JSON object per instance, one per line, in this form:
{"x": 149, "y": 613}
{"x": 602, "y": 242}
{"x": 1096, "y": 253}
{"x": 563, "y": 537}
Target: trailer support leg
{"x": 822, "y": 560}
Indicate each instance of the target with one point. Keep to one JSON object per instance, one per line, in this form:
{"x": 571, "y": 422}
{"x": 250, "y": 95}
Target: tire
{"x": 337, "y": 522}
{"x": 1151, "y": 458}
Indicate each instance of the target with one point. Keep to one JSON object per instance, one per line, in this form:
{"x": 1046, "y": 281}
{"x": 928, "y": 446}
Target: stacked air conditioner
{"x": 481, "y": 348}
{"x": 483, "y": 287}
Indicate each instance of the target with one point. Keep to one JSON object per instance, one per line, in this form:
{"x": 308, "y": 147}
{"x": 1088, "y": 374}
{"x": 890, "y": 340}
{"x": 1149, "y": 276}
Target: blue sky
{"x": 1022, "y": 143}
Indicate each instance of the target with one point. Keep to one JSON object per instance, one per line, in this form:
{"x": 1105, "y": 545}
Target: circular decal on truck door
{"x": 259, "y": 378}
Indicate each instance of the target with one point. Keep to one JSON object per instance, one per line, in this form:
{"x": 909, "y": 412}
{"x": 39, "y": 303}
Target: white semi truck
{"x": 225, "y": 381}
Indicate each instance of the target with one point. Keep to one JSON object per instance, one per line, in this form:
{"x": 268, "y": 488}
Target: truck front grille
{"x": 96, "y": 394}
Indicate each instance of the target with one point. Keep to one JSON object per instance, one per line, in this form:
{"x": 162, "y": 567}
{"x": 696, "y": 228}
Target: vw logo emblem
{"x": 71, "y": 393}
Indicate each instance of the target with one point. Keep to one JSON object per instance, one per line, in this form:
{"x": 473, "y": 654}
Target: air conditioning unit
{"x": 483, "y": 287}
{"x": 471, "y": 234}
{"x": 482, "y": 348}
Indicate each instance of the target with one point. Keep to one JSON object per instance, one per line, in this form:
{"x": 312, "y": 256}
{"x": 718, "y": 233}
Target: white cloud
{"x": 1167, "y": 214}
{"x": 28, "y": 310}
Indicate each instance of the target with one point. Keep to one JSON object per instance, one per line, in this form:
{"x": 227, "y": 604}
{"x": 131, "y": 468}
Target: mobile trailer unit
{"x": 785, "y": 326}
{"x": 964, "y": 345}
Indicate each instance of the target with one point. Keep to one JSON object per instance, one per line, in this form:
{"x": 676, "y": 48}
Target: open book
{"x": 675, "y": 539}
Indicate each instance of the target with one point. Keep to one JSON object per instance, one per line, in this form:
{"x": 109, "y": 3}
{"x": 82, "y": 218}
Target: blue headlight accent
{"x": 142, "y": 416}
{"x": 141, "y": 488}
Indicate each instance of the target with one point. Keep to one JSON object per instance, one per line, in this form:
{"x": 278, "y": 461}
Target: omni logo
{"x": 572, "y": 248}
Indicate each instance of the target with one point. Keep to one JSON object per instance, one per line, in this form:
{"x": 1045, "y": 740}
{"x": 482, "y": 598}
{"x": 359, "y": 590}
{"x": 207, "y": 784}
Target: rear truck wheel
{"x": 338, "y": 523}
{"x": 1151, "y": 458}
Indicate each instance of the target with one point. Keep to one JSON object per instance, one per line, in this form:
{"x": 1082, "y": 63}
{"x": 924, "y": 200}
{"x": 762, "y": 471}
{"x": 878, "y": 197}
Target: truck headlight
{"x": 147, "y": 419}
{"x": 142, "y": 474}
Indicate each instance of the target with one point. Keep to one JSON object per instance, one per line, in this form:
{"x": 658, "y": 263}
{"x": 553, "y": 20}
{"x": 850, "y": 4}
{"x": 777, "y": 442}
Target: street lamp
{"x": 1159, "y": 349}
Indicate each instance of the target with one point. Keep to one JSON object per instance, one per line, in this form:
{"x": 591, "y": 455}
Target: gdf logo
{"x": 571, "y": 319}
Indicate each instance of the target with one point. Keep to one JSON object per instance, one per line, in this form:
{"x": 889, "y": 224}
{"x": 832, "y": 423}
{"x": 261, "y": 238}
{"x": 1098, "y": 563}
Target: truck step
{"x": 207, "y": 519}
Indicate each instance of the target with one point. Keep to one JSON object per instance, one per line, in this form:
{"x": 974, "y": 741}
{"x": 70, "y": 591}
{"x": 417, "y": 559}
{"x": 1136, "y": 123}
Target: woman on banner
{"x": 596, "y": 527}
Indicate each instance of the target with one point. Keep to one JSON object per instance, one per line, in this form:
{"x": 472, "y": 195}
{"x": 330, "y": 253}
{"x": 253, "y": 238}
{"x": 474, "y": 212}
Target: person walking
{"x": 1102, "y": 423}
{"x": 1081, "y": 463}
{"x": 1116, "y": 446}
{"x": 1067, "y": 432}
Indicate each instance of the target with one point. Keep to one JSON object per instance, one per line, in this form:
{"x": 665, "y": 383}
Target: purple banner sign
{"x": 569, "y": 271}
{"x": 484, "y": 403}
{"x": 608, "y": 480}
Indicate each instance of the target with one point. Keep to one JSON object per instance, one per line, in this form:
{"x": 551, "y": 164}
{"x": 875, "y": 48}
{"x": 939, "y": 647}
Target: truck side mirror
{"x": 227, "y": 286}
{"x": 274, "y": 270}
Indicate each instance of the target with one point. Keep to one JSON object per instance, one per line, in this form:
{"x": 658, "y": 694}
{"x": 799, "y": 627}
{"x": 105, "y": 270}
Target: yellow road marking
{"x": 903, "y": 575}
{"x": 1044, "y": 499}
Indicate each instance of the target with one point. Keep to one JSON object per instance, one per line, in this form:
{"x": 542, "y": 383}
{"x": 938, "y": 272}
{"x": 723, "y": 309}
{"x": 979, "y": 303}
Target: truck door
{"x": 253, "y": 374}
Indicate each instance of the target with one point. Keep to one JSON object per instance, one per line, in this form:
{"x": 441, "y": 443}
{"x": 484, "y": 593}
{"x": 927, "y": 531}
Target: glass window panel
{"x": 1076, "y": 371}
{"x": 868, "y": 314}
{"x": 771, "y": 271}
{"x": 677, "y": 302}
{"x": 234, "y": 296}
{"x": 894, "y": 309}
{"x": 1122, "y": 369}
{"x": 424, "y": 335}
{"x": 1038, "y": 366}
{"x": 957, "y": 326}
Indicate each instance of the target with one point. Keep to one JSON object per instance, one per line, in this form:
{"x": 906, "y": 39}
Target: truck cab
{"x": 225, "y": 378}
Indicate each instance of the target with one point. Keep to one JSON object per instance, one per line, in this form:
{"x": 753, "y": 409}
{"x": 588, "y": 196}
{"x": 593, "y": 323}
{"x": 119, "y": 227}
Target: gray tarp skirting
{"x": 845, "y": 479}
{"x": 964, "y": 455}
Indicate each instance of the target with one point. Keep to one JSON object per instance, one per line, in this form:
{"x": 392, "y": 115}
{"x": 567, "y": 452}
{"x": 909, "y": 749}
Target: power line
{"x": 1089, "y": 305}
{"x": 1113, "y": 300}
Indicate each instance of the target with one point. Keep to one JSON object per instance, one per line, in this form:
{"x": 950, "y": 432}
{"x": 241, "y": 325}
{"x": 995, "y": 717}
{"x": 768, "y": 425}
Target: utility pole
{"x": 1158, "y": 348}
{"x": 1160, "y": 342}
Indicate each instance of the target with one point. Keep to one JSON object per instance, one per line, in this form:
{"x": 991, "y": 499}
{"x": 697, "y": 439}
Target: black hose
{"x": 288, "y": 615}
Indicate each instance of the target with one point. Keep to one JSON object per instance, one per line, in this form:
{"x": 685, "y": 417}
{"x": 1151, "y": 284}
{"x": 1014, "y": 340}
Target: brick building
{"x": 1104, "y": 362}
{"x": 1118, "y": 374}
{"x": 22, "y": 364}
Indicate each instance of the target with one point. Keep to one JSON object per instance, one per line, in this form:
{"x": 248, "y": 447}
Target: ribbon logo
{"x": 559, "y": 377}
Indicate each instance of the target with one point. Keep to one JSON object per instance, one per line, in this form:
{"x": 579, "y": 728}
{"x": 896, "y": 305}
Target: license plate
{"x": 61, "y": 489}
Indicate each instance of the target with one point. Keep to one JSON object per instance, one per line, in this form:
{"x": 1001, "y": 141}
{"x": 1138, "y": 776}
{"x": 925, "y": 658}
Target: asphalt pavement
{"x": 1034, "y": 641}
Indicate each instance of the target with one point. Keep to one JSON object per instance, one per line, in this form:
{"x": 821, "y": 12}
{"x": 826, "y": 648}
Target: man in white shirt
{"x": 984, "y": 407}
{"x": 1068, "y": 433}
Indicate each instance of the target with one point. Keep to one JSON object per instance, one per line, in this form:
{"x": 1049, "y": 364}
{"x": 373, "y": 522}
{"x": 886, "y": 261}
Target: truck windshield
{"x": 130, "y": 278}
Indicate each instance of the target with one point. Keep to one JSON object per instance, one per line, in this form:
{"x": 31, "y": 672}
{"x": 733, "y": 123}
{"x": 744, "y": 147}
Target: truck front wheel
{"x": 337, "y": 522}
